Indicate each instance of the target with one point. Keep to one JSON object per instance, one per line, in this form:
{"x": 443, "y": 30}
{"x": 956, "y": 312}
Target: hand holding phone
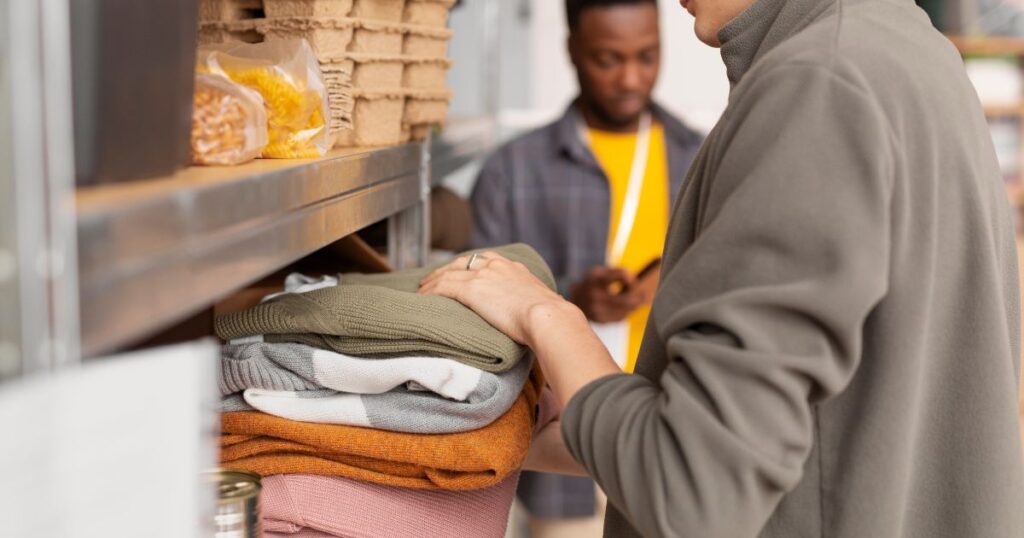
{"x": 646, "y": 281}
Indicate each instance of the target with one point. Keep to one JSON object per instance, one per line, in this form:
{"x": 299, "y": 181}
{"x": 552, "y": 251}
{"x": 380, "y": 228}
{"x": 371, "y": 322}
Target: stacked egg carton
{"x": 427, "y": 65}
{"x": 224, "y": 21}
{"x": 392, "y": 51}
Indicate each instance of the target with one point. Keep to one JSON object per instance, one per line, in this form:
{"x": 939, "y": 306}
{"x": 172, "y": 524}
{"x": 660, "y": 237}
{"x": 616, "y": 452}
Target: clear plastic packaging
{"x": 287, "y": 75}
{"x": 229, "y": 123}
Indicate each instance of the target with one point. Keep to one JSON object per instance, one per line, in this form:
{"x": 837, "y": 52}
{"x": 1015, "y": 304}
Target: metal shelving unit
{"x": 153, "y": 252}
{"x": 85, "y": 272}
{"x": 38, "y": 284}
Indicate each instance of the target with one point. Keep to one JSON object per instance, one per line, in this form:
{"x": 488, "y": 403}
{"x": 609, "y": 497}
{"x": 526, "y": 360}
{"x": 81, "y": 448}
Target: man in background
{"x": 591, "y": 192}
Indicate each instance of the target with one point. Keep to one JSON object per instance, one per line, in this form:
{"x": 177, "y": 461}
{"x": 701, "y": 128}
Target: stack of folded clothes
{"x": 372, "y": 410}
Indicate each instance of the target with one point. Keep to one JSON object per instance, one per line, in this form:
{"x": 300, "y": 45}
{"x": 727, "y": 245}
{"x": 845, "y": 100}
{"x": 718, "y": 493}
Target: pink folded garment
{"x": 302, "y": 533}
{"x": 311, "y": 506}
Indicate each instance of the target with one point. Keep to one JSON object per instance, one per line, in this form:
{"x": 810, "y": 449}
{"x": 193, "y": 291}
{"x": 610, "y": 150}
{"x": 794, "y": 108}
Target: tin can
{"x": 237, "y": 512}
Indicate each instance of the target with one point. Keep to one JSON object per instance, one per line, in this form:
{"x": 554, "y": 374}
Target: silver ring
{"x": 473, "y": 258}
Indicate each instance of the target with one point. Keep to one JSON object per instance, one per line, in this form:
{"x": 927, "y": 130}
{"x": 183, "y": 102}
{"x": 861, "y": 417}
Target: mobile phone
{"x": 654, "y": 264}
{"x": 644, "y": 273}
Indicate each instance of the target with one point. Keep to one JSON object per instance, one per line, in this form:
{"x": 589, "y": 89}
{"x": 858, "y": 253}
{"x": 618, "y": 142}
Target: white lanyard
{"x": 631, "y": 204}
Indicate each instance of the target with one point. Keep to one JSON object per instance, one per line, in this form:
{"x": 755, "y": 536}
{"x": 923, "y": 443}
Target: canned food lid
{"x": 233, "y": 485}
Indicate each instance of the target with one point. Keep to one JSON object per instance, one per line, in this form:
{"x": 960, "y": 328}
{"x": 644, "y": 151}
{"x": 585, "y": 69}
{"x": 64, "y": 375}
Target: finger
{"x": 445, "y": 281}
{"x": 492, "y": 255}
{"x": 633, "y": 295}
{"x": 597, "y": 272}
{"x": 619, "y": 274}
{"x": 610, "y": 276}
{"x": 458, "y": 264}
{"x": 625, "y": 301}
{"x": 441, "y": 288}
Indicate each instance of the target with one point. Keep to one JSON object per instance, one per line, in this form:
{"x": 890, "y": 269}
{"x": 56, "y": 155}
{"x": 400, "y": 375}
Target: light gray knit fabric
{"x": 287, "y": 367}
{"x": 236, "y": 401}
{"x": 297, "y": 367}
{"x": 283, "y": 369}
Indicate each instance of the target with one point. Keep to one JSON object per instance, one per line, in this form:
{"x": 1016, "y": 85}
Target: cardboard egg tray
{"x": 426, "y": 41}
{"x": 426, "y": 106}
{"x": 377, "y": 119}
{"x": 379, "y": 10}
{"x": 229, "y": 10}
{"x": 307, "y": 8}
{"x": 427, "y": 12}
{"x": 340, "y": 100}
{"x": 425, "y": 72}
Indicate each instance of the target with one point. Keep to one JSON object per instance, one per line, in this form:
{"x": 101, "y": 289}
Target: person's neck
{"x": 596, "y": 120}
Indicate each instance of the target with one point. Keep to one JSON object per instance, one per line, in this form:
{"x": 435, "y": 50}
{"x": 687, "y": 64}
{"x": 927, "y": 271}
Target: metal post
{"x": 426, "y": 181}
{"x": 38, "y": 276}
{"x": 409, "y": 230}
{"x": 492, "y": 57}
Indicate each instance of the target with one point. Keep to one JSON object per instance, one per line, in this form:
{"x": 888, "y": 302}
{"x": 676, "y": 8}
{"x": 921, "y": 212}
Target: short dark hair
{"x": 573, "y": 8}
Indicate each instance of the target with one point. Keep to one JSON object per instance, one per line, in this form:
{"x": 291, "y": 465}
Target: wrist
{"x": 555, "y": 316}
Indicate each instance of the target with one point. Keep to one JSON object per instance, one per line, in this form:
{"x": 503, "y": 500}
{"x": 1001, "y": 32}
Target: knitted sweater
{"x": 270, "y": 445}
{"x": 292, "y": 367}
{"x": 448, "y": 396}
{"x": 328, "y": 506}
{"x": 383, "y": 316}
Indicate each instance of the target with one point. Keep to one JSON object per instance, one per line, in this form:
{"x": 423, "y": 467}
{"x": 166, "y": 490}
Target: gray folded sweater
{"x": 383, "y": 316}
{"x": 255, "y": 368}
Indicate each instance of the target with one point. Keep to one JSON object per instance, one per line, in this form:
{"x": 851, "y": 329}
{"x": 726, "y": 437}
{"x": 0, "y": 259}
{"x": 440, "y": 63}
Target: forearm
{"x": 548, "y": 453}
{"x": 568, "y": 350}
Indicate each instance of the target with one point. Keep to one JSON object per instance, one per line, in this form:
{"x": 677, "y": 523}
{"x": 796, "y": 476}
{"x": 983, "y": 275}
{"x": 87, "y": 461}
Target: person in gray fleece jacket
{"x": 834, "y": 347}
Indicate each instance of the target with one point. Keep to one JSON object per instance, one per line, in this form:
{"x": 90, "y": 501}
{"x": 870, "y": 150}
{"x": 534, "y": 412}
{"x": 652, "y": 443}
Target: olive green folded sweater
{"x": 383, "y": 316}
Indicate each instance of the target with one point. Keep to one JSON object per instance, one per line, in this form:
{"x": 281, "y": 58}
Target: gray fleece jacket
{"x": 833, "y": 351}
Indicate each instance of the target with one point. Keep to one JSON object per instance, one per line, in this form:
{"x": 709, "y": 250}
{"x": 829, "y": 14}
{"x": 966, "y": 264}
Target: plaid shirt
{"x": 546, "y": 189}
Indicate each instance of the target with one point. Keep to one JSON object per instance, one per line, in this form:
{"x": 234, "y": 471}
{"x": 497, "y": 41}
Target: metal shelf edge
{"x": 152, "y": 262}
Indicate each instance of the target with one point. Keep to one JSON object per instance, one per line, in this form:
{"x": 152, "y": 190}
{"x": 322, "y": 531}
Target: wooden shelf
{"x": 989, "y": 46}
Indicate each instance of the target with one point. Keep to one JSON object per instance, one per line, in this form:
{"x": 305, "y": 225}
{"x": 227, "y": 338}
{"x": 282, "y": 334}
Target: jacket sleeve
{"x": 761, "y": 318}
{"x": 492, "y": 205}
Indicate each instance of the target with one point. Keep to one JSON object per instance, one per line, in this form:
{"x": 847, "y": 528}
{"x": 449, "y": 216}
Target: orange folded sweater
{"x": 267, "y": 445}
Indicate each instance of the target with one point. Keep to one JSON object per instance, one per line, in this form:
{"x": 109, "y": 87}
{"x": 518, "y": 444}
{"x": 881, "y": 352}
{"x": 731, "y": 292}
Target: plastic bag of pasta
{"x": 229, "y": 122}
{"x": 287, "y": 75}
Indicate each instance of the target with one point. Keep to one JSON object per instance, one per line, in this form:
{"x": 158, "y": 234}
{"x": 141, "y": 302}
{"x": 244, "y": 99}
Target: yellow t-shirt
{"x": 614, "y": 152}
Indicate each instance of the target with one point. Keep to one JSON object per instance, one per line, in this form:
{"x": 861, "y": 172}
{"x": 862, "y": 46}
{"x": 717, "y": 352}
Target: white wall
{"x": 693, "y": 82}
